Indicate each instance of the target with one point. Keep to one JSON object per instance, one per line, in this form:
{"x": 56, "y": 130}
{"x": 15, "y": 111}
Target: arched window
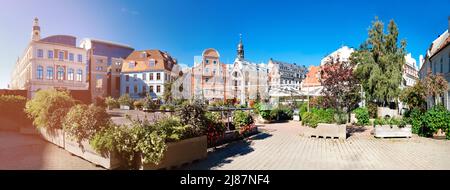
{"x": 60, "y": 75}
{"x": 70, "y": 74}
{"x": 40, "y": 72}
{"x": 79, "y": 75}
{"x": 49, "y": 73}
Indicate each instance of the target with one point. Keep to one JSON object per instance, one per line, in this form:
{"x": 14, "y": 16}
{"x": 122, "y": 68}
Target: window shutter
{"x": 66, "y": 54}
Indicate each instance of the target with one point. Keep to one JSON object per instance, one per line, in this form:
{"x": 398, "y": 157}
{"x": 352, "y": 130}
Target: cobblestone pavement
{"x": 27, "y": 152}
{"x": 280, "y": 146}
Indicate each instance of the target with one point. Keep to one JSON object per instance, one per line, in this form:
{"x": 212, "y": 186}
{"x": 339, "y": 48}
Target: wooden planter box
{"x": 328, "y": 131}
{"x": 182, "y": 152}
{"x": 55, "y": 136}
{"x": 85, "y": 151}
{"x": 382, "y": 131}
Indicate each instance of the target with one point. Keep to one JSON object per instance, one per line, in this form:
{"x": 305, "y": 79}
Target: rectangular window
{"x": 135, "y": 77}
{"x": 127, "y": 78}
{"x": 158, "y": 76}
{"x": 40, "y": 53}
{"x": 40, "y": 72}
{"x": 117, "y": 83}
{"x": 80, "y": 58}
{"x": 151, "y": 88}
{"x": 99, "y": 82}
{"x": 79, "y": 75}
{"x": 50, "y": 54}
{"x": 215, "y": 62}
{"x": 135, "y": 90}
{"x": 127, "y": 89}
{"x": 71, "y": 57}
{"x": 207, "y": 62}
{"x": 131, "y": 65}
{"x": 144, "y": 76}
{"x": 60, "y": 74}
{"x": 151, "y": 76}
{"x": 151, "y": 62}
{"x": 61, "y": 55}
{"x": 49, "y": 73}
{"x": 158, "y": 89}
{"x": 70, "y": 74}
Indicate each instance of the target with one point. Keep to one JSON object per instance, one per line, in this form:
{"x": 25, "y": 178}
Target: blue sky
{"x": 289, "y": 30}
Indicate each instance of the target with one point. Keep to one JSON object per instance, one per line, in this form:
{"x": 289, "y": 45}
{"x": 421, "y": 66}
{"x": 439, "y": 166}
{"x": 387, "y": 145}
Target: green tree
{"x": 414, "y": 96}
{"x": 380, "y": 62}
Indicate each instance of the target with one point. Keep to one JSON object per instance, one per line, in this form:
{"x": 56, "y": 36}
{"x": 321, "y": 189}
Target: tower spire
{"x": 36, "y": 33}
{"x": 240, "y": 50}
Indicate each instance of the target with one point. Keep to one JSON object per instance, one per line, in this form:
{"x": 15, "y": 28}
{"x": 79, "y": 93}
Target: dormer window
{"x": 143, "y": 54}
{"x": 151, "y": 62}
{"x": 131, "y": 65}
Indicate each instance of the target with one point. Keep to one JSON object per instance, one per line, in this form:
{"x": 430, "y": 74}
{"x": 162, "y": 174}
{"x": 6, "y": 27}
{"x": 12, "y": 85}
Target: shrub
{"x": 215, "y": 127}
{"x": 281, "y": 113}
{"x": 125, "y": 100}
{"x": 193, "y": 114}
{"x": 415, "y": 118}
{"x": 100, "y": 102}
{"x": 362, "y": 115}
{"x": 341, "y": 118}
{"x": 242, "y": 119}
{"x": 303, "y": 108}
{"x": 138, "y": 104}
{"x": 310, "y": 119}
{"x": 112, "y": 103}
{"x": 49, "y": 107}
{"x": 436, "y": 118}
{"x": 316, "y": 116}
{"x": 149, "y": 104}
{"x": 372, "y": 108}
{"x": 391, "y": 122}
{"x": 162, "y": 107}
{"x": 142, "y": 139}
{"x": 82, "y": 122}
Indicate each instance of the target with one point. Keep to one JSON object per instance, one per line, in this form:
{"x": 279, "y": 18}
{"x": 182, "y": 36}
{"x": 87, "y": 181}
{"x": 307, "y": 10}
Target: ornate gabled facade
{"x": 209, "y": 77}
{"x": 248, "y": 81}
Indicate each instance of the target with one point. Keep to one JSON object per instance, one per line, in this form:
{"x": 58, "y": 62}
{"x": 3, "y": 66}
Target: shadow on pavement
{"x": 224, "y": 154}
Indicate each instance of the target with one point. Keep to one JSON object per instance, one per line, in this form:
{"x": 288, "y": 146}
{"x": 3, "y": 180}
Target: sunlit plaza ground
{"x": 278, "y": 146}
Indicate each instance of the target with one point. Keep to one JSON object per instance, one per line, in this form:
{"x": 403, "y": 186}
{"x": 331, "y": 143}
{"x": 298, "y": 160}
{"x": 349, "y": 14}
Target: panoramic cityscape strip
{"x": 107, "y": 105}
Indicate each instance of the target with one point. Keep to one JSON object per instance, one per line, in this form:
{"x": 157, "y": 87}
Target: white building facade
{"x": 52, "y": 62}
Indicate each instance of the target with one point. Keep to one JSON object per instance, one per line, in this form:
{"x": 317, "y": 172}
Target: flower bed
{"x": 181, "y": 152}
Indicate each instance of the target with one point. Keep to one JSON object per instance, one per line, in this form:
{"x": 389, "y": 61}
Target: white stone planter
{"x": 55, "y": 136}
{"x": 296, "y": 118}
{"x": 85, "y": 151}
{"x": 383, "y": 131}
{"x": 122, "y": 107}
{"x": 179, "y": 153}
{"x": 328, "y": 131}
